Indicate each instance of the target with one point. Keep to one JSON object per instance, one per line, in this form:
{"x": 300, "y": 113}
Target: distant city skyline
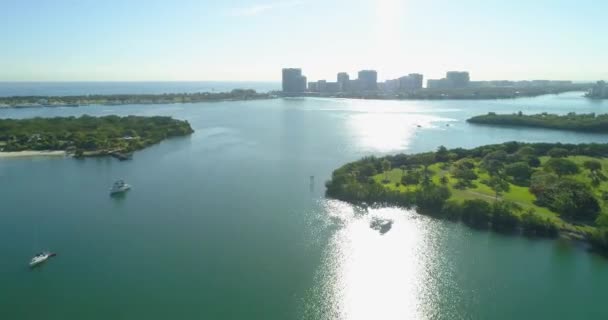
{"x": 249, "y": 40}
{"x": 295, "y": 82}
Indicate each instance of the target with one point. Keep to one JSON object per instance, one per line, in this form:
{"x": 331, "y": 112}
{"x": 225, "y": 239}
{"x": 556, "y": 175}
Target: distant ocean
{"x": 152, "y": 87}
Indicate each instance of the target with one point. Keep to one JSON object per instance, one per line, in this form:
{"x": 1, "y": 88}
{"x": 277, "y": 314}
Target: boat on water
{"x": 119, "y": 187}
{"x": 41, "y": 257}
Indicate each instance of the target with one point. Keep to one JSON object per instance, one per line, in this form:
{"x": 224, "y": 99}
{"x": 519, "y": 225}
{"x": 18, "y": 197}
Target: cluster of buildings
{"x": 367, "y": 81}
{"x": 520, "y": 84}
{"x": 453, "y": 79}
{"x": 599, "y": 90}
{"x": 294, "y": 82}
{"x": 461, "y": 79}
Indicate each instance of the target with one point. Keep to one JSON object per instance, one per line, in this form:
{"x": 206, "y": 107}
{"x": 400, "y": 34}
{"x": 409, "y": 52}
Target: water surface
{"x": 227, "y": 224}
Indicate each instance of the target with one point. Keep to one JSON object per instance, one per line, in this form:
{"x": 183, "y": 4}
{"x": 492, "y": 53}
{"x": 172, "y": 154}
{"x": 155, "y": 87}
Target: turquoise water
{"x": 226, "y": 223}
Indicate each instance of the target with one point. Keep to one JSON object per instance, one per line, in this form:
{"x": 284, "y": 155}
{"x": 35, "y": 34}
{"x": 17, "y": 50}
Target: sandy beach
{"x": 31, "y": 153}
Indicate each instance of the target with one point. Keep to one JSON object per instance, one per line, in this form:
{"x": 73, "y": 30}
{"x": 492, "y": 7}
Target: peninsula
{"x": 88, "y": 136}
{"x": 121, "y": 99}
{"x": 571, "y": 121}
{"x": 540, "y": 189}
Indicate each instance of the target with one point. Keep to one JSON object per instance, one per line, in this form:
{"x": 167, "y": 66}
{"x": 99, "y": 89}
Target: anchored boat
{"x": 41, "y": 257}
{"x": 119, "y": 187}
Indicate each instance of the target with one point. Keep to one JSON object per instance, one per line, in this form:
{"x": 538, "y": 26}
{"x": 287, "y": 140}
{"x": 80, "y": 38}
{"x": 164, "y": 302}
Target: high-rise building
{"x": 321, "y": 85}
{"x": 368, "y": 80}
{"x": 353, "y": 85}
{"x": 312, "y": 87}
{"x": 391, "y": 85}
{"x": 458, "y": 79}
{"x": 343, "y": 79}
{"x": 293, "y": 80}
{"x": 412, "y": 81}
{"x": 416, "y": 80}
{"x": 442, "y": 83}
{"x": 600, "y": 90}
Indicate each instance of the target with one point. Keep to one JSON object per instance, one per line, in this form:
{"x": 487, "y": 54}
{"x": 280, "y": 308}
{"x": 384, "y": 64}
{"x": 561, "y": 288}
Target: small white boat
{"x": 119, "y": 187}
{"x": 40, "y": 258}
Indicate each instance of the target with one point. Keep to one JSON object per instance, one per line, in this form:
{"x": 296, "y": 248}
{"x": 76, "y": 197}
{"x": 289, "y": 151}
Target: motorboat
{"x": 119, "y": 187}
{"x": 41, "y": 257}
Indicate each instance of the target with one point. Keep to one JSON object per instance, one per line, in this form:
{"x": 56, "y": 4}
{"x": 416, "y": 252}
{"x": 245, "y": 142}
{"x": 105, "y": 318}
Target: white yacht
{"x": 40, "y": 258}
{"x": 119, "y": 187}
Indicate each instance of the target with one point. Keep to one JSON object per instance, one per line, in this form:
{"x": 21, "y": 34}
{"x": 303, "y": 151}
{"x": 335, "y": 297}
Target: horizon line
{"x": 258, "y": 81}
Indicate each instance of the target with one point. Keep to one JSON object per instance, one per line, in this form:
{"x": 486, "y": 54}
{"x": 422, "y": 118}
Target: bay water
{"x": 232, "y": 223}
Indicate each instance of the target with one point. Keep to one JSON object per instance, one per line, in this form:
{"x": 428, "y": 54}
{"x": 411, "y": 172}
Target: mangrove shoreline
{"x": 124, "y": 99}
{"x": 540, "y": 190}
{"x": 87, "y": 136}
{"x": 591, "y": 122}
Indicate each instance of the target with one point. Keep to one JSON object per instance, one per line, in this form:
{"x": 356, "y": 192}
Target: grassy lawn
{"x": 517, "y": 194}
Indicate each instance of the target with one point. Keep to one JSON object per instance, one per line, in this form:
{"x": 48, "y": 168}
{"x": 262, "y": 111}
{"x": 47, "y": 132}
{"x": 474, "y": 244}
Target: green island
{"x": 573, "y": 122}
{"x": 88, "y": 136}
{"x": 541, "y": 189}
{"x": 121, "y": 99}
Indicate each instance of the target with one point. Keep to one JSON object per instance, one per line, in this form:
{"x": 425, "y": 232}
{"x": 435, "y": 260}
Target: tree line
{"x": 572, "y": 121}
{"x": 556, "y": 184}
{"x": 236, "y": 94}
{"x": 87, "y": 133}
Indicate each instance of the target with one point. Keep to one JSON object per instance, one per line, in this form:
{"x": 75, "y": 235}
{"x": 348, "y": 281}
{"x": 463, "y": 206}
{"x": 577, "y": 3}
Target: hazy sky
{"x": 61, "y": 40}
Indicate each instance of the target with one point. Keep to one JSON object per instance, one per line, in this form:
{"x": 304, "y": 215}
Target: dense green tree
{"x": 386, "y": 167}
{"x": 498, "y": 155}
{"x": 499, "y": 185}
{"x": 519, "y": 171}
{"x": 526, "y": 151}
{"x": 452, "y": 210}
{"x": 541, "y": 181}
{"x": 558, "y": 153}
{"x": 534, "y": 225}
{"x": 427, "y": 160}
{"x": 464, "y": 175}
{"x": 465, "y": 164}
{"x": 534, "y": 162}
{"x": 571, "y": 199}
{"x": 403, "y": 169}
{"x": 368, "y": 170}
{"x": 561, "y": 166}
{"x": 504, "y": 217}
{"x": 494, "y": 161}
{"x": 476, "y": 213}
{"x": 442, "y": 154}
{"x": 592, "y": 165}
{"x": 432, "y": 197}
{"x": 412, "y": 177}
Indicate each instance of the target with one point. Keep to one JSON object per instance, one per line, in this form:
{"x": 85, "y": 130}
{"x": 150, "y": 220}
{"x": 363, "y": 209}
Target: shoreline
{"x": 32, "y": 153}
{"x": 135, "y": 99}
{"x": 442, "y": 181}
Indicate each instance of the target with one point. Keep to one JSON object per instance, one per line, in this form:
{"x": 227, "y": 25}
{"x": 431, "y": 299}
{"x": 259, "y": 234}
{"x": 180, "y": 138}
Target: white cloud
{"x": 258, "y": 9}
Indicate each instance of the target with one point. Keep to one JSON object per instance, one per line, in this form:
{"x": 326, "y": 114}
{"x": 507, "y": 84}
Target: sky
{"x": 251, "y": 40}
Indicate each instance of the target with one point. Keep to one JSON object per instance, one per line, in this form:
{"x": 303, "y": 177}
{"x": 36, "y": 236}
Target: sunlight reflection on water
{"x": 367, "y": 275}
{"x": 386, "y": 132}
